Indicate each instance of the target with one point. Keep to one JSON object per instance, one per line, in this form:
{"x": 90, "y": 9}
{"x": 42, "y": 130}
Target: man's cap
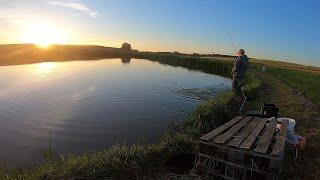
{"x": 241, "y": 51}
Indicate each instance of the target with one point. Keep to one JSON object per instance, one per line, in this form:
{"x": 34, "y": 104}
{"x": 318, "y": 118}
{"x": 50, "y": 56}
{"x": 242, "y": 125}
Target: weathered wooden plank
{"x": 227, "y": 135}
{"x": 220, "y": 129}
{"x": 239, "y": 138}
{"x": 265, "y": 139}
{"x": 254, "y": 134}
{"x": 210, "y": 148}
{"x": 281, "y": 139}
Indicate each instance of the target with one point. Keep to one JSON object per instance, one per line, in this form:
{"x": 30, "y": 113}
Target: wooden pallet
{"x": 246, "y": 143}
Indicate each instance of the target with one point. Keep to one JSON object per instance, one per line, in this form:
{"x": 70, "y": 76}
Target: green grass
{"x": 208, "y": 116}
{"x": 252, "y": 85}
{"x": 120, "y": 161}
{"x": 216, "y": 66}
{"x": 303, "y": 81}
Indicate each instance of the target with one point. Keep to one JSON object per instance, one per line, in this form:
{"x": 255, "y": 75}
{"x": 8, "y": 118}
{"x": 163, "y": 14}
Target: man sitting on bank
{"x": 239, "y": 71}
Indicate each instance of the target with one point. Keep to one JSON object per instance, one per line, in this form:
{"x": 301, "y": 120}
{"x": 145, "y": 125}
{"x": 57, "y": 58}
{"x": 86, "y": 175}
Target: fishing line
{"x": 202, "y": 98}
{"x": 188, "y": 91}
{"x": 166, "y": 105}
{"x": 158, "y": 102}
{"x": 171, "y": 90}
{"x": 233, "y": 44}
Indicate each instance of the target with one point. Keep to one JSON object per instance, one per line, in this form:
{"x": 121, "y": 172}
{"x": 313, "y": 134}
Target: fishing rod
{"x": 233, "y": 44}
{"x": 242, "y": 89}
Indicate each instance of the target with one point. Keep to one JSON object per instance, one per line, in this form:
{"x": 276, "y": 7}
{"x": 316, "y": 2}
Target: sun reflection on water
{"x": 45, "y": 68}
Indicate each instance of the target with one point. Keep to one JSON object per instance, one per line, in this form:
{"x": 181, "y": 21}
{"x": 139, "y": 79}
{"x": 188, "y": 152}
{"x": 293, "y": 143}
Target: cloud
{"x": 76, "y": 6}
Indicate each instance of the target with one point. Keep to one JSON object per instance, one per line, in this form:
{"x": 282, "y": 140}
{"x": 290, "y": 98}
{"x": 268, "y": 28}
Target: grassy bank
{"x": 218, "y": 65}
{"x": 123, "y": 162}
{"x": 303, "y": 79}
{"x": 306, "y": 82}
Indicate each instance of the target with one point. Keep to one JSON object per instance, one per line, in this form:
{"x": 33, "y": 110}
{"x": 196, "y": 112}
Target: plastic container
{"x": 292, "y": 123}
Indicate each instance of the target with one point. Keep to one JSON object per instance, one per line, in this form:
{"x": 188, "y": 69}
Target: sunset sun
{"x": 43, "y": 35}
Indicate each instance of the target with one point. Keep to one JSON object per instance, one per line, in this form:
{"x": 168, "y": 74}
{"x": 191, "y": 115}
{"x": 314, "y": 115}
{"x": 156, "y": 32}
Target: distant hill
{"x": 14, "y": 54}
{"x": 28, "y": 53}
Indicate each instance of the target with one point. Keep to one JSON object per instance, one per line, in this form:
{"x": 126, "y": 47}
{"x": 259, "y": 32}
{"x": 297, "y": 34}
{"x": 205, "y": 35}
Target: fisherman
{"x": 263, "y": 69}
{"x": 239, "y": 71}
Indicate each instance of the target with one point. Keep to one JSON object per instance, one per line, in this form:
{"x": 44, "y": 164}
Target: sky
{"x": 287, "y": 30}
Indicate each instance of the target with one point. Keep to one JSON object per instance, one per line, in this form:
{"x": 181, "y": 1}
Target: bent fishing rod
{"x": 242, "y": 89}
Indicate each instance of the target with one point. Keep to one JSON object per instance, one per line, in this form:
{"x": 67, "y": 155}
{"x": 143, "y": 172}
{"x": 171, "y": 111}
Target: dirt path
{"x": 294, "y": 105}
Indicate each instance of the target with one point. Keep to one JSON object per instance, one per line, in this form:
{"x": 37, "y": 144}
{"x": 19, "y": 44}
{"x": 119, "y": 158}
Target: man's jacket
{"x": 240, "y": 67}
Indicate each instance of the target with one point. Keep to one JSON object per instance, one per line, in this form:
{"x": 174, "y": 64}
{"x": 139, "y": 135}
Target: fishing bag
{"x": 269, "y": 110}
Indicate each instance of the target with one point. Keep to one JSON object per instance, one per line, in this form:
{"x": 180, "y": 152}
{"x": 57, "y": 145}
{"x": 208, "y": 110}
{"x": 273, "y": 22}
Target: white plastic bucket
{"x": 292, "y": 123}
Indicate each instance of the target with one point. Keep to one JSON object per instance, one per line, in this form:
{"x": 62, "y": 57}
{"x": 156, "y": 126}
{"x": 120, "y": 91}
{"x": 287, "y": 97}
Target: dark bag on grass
{"x": 269, "y": 110}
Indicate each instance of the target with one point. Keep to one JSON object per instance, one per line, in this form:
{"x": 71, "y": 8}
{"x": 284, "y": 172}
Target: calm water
{"x": 91, "y": 105}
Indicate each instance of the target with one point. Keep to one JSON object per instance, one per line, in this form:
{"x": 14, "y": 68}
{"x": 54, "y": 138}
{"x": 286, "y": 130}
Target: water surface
{"x": 85, "y": 106}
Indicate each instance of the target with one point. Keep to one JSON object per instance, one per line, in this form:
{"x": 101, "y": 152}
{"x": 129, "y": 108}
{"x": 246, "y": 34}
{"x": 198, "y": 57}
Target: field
{"x": 305, "y": 80}
{"x": 294, "y": 88}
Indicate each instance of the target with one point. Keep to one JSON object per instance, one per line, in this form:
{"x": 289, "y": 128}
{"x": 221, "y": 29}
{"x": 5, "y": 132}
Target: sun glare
{"x": 43, "y": 35}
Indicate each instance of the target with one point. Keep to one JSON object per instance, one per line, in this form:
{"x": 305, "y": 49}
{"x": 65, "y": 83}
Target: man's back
{"x": 240, "y": 67}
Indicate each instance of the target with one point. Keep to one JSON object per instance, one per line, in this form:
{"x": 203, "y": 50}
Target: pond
{"x": 82, "y": 106}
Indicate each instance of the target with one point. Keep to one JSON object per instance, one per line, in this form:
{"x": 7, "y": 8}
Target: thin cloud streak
{"x": 76, "y": 6}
